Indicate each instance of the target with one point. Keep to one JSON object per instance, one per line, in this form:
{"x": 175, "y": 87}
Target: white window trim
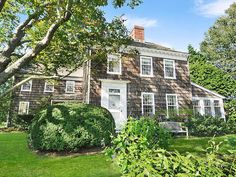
{"x": 145, "y": 75}
{"x": 177, "y": 104}
{"x": 67, "y": 86}
{"x": 47, "y": 91}
{"x": 116, "y": 73}
{"x": 166, "y": 77}
{"x": 27, "y": 110}
{"x": 27, "y": 90}
{"x": 221, "y": 104}
{"x": 153, "y": 100}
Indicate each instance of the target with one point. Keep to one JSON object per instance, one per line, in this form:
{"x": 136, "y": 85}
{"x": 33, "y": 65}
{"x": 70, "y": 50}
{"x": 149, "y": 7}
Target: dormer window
{"x": 27, "y": 86}
{"x": 113, "y": 64}
{"x": 169, "y": 69}
{"x": 146, "y": 68}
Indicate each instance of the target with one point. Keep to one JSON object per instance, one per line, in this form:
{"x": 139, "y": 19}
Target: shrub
{"x": 68, "y": 127}
{"x": 23, "y": 121}
{"x": 209, "y": 126}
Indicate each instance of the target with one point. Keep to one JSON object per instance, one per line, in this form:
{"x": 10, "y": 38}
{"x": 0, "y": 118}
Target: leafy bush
{"x": 68, "y": 127}
{"x": 209, "y": 126}
{"x": 23, "y": 121}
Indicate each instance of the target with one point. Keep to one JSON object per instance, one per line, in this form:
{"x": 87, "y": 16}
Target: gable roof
{"x": 203, "y": 88}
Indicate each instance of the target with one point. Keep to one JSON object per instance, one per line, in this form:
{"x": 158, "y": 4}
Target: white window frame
{"x": 167, "y": 106}
{"x": 141, "y": 66}
{"x": 174, "y": 70}
{"x": 67, "y": 86}
{"x": 45, "y": 86}
{"x": 27, "y": 108}
{"x": 153, "y": 101}
{"x": 29, "y": 90}
{"x": 221, "y": 104}
{"x": 120, "y": 68}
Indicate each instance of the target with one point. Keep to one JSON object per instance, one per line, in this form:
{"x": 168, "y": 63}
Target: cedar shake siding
{"x": 198, "y": 92}
{"x": 156, "y": 84}
{"x": 37, "y": 96}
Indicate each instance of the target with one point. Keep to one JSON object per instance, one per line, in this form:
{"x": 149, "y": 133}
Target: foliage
{"x": 209, "y": 126}
{"x": 230, "y": 107}
{"x": 23, "y": 121}
{"x": 219, "y": 44}
{"x": 209, "y": 76}
{"x": 4, "y": 102}
{"x": 31, "y": 30}
{"x": 68, "y": 127}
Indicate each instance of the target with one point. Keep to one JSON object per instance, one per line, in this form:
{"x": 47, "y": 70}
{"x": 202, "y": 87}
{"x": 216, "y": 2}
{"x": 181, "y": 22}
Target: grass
{"x": 16, "y": 160}
{"x": 198, "y": 145}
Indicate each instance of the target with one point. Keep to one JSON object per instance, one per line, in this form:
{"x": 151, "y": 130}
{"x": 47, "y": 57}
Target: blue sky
{"x": 173, "y": 23}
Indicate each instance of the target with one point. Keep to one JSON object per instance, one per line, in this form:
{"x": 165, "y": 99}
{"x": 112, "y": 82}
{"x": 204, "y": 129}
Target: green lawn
{"x": 197, "y": 145}
{"x": 16, "y": 160}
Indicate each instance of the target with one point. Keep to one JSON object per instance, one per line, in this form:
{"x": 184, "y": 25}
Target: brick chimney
{"x": 138, "y": 33}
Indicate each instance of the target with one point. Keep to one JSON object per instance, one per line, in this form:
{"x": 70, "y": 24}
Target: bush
{"x": 209, "y": 126}
{"x": 23, "y": 121}
{"x": 68, "y": 127}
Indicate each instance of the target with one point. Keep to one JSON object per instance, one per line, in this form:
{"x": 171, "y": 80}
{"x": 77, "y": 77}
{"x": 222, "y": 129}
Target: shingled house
{"x": 156, "y": 79}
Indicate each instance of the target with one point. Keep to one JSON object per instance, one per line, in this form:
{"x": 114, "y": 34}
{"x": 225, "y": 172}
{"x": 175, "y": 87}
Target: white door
{"x": 114, "y": 98}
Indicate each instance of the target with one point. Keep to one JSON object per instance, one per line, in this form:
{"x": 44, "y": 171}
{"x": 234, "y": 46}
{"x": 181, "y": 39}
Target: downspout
{"x": 89, "y": 77}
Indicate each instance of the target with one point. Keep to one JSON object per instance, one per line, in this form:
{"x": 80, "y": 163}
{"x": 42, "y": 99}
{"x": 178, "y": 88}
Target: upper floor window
{"x": 23, "y": 107}
{"x": 207, "y": 107}
{"x": 169, "y": 69}
{"x": 27, "y": 86}
{"x": 148, "y": 105}
{"x": 114, "y": 64}
{"x": 146, "y": 68}
{"x": 70, "y": 86}
{"x": 48, "y": 86}
{"x": 171, "y": 105}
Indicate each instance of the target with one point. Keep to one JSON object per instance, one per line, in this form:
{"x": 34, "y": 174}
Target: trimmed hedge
{"x": 68, "y": 127}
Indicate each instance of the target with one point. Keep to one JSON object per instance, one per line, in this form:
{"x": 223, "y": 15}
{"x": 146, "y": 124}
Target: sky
{"x": 173, "y": 23}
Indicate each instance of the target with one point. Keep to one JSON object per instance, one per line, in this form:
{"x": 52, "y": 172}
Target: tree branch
{"x": 17, "y": 65}
{"x": 24, "y": 81}
{"x": 2, "y": 3}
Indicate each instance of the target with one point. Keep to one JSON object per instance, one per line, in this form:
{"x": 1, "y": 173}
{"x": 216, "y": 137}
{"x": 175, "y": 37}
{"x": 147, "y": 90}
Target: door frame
{"x": 120, "y": 84}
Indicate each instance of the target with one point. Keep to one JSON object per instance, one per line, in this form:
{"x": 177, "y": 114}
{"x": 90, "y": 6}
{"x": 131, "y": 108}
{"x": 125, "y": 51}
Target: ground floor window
{"x": 171, "y": 105}
{"x": 208, "y": 106}
{"x": 148, "y": 105}
{"x": 23, "y": 107}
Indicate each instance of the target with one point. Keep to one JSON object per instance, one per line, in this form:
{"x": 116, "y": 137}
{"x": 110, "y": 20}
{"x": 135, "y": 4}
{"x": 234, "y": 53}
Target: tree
{"x": 55, "y": 34}
{"x": 207, "y": 75}
{"x": 219, "y": 44}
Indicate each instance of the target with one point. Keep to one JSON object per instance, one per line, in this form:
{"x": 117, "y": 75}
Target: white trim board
{"x": 114, "y": 81}
{"x": 203, "y": 88}
{"x": 160, "y": 53}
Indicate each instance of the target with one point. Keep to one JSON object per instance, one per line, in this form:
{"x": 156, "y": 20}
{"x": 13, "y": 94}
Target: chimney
{"x": 138, "y": 33}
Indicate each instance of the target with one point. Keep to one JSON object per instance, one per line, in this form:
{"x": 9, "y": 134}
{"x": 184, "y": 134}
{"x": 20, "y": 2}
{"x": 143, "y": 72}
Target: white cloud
{"x": 144, "y": 22}
{"x": 212, "y": 8}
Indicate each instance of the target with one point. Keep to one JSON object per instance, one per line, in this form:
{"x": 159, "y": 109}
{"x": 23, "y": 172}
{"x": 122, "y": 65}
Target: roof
{"x": 203, "y": 88}
{"x": 151, "y": 45}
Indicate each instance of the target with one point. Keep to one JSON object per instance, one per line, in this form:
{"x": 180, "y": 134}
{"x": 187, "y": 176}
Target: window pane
{"x": 171, "y": 100}
{"x": 70, "y": 86}
{"x": 114, "y": 102}
{"x": 148, "y": 104}
{"x": 146, "y": 66}
{"x": 147, "y": 110}
{"x": 147, "y": 99}
{"x": 169, "y": 72}
{"x": 49, "y": 87}
{"x": 216, "y": 103}
{"x": 207, "y": 103}
{"x": 26, "y": 86}
{"x": 172, "y": 105}
{"x": 208, "y": 111}
{"x": 23, "y": 107}
{"x": 169, "y": 68}
{"x": 114, "y": 90}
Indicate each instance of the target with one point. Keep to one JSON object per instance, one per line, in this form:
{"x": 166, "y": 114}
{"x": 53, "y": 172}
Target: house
{"x": 155, "y": 81}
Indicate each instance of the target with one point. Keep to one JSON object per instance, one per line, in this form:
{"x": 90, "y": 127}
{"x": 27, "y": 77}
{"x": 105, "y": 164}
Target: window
{"x": 207, "y": 107}
{"x": 114, "y": 99}
{"x": 196, "y": 107}
{"x": 171, "y": 105}
{"x": 113, "y": 64}
{"x": 169, "y": 69}
{"x": 48, "y": 86}
{"x": 27, "y": 86}
{"x": 217, "y": 108}
{"x": 23, "y": 107}
{"x": 70, "y": 86}
{"x": 148, "y": 106}
{"x": 146, "y": 66}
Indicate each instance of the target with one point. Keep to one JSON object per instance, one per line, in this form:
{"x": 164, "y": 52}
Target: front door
{"x": 113, "y": 98}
